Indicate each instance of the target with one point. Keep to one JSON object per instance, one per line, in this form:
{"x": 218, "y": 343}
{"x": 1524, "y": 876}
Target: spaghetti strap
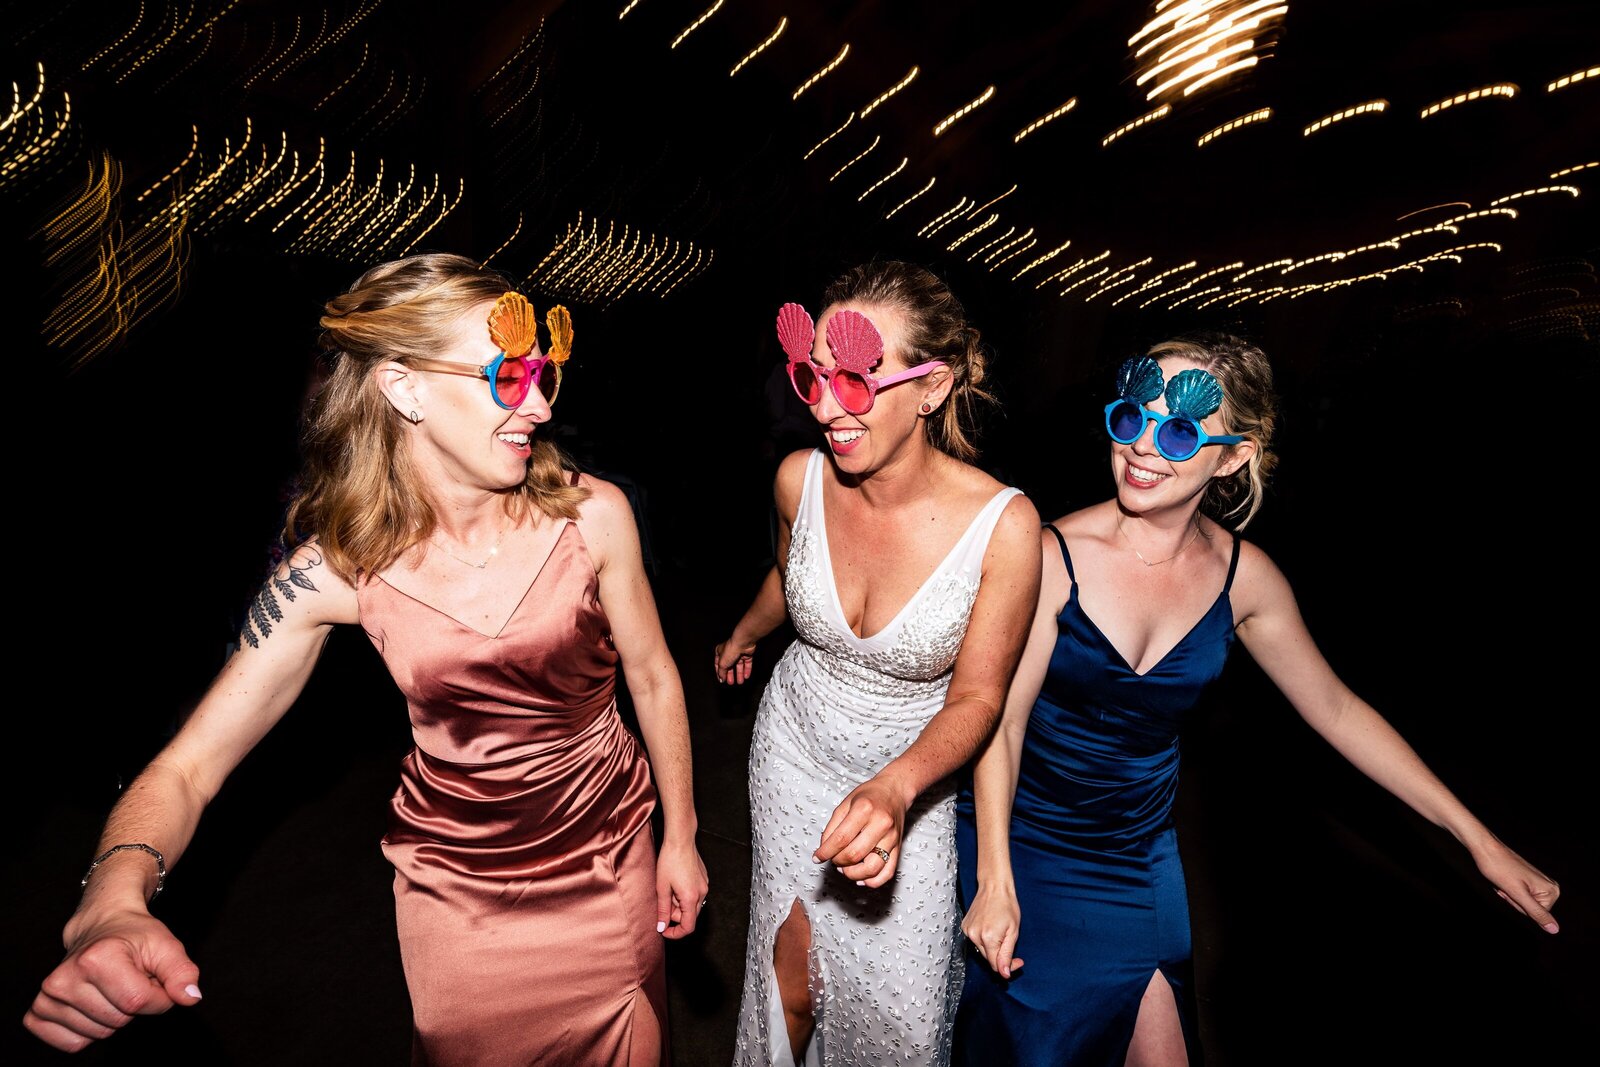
{"x": 1233, "y": 564}
{"x": 1066, "y": 557}
{"x": 575, "y": 476}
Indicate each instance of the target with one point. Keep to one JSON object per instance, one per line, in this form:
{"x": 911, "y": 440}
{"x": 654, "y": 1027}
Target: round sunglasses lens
{"x": 549, "y": 381}
{"x": 1126, "y": 423}
{"x": 1178, "y": 438}
{"x": 510, "y": 382}
{"x": 805, "y": 382}
{"x": 855, "y": 396}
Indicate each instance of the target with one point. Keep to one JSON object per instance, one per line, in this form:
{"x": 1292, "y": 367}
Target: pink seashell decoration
{"x": 855, "y": 343}
{"x": 796, "y": 332}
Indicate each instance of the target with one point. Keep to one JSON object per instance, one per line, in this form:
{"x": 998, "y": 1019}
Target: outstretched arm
{"x": 1276, "y": 635}
{"x": 873, "y": 814}
{"x": 120, "y": 961}
{"x": 657, "y": 691}
{"x": 993, "y": 921}
{"x": 735, "y": 657}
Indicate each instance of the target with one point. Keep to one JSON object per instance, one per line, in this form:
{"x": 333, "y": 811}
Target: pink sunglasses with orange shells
{"x": 856, "y": 346}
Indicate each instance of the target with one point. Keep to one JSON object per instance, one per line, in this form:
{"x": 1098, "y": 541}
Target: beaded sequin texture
{"x": 885, "y": 963}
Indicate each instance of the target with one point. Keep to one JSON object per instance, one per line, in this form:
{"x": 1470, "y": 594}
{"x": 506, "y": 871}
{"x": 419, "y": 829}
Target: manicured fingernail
{"x": 194, "y": 990}
{"x": 661, "y": 928}
{"x": 1552, "y": 928}
{"x": 861, "y": 883}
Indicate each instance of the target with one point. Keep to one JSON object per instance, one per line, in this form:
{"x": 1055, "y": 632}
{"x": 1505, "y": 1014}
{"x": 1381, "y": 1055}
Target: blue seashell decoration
{"x": 1193, "y": 394}
{"x": 1139, "y": 379}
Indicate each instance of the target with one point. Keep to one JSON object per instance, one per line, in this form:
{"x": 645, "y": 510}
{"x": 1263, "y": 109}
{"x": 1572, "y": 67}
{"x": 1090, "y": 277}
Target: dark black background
{"x": 1432, "y": 507}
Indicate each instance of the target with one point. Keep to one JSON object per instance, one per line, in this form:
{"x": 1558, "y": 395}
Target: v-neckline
{"x": 1073, "y": 601}
{"x": 515, "y": 609}
{"x": 833, "y": 585}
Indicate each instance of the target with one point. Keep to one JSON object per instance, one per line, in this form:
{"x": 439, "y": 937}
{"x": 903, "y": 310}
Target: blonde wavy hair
{"x": 1249, "y": 409}
{"x": 936, "y": 328}
{"x": 359, "y": 493}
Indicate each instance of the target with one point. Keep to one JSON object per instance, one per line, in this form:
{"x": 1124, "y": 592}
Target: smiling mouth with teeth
{"x": 844, "y": 437}
{"x": 1141, "y": 475}
{"x": 518, "y": 439}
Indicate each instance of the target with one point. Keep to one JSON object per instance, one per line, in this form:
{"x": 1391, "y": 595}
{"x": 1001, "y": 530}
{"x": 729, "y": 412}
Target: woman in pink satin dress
{"x": 503, "y": 592}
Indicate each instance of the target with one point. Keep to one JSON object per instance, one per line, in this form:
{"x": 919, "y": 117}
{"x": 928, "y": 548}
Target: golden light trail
{"x": 114, "y": 45}
{"x": 1198, "y": 36}
{"x": 783, "y": 24}
{"x": 910, "y": 198}
{"x": 1433, "y": 207}
{"x": 1505, "y": 90}
{"x": 1013, "y": 254}
{"x": 1261, "y": 115}
{"x": 1054, "y": 252}
{"x": 1572, "y": 79}
{"x": 883, "y": 179}
{"x": 1151, "y": 283}
{"x": 1192, "y": 282}
{"x": 830, "y": 136}
{"x": 1570, "y": 190}
{"x": 895, "y": 88}
{"x": 965, "y": 109}
{"x": 507, "y": 243}
{"x": 1193, "y": 296}
{"x": 1107, "y": 285}
{"x": 943, "y": 217}
{"x": 1150, "y": 116}
{"x": 974, "y": 212}
{"x": 1264, "y": 266}
{"x": 1043, "y": 119}
{"x": 875, "y": 142}
{"x": 18, "y": 108}
{"x": 1009, "y": 248}
{"x": 1572, "y": 170}
{"x": 337, "y": 89}
{"x": 1062, "y": 275}
{"x": 445, "y": 207}
{"x": 1082, "y": 280}
{"x": 1371, "y": 107}
{"x": 824, "y": 72}
{"x": 1231, "y": 68}
{"x": 624, "y": 12}
{"x": 985, "y": 247}
{"x": 993, "y": 218}
{"x": 1508, "y": 212}
{"x": 695, "y": 25}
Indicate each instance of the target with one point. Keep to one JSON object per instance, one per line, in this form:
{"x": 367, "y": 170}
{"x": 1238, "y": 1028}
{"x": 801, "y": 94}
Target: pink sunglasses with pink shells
{"x": 856, "y": 346}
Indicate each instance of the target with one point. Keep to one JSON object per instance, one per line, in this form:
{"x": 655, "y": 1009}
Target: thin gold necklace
{"x": 1158, "y": 562}
{"x": 494, "y": 549}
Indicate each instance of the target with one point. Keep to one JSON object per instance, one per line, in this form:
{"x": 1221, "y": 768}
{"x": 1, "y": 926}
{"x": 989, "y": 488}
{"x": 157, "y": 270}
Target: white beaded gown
{"x": 884, "y": 963}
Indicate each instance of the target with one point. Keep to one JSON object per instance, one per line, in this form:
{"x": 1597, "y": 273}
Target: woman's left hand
{"x": 1519, "y": 883}
{"x": 681, "y": 886}
{"x": 862, "y": 837}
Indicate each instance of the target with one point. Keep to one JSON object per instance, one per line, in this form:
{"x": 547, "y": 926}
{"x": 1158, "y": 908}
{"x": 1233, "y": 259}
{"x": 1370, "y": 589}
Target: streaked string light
{"x": 830, "y": 136}
{"x": 1191, "y": 283}
{"x": 1371, "y": 107}
{"x": 783, "y": 24}
{"x": 506, "y": 244}
{"x": 1047, "y": 257}
{"x": 1149, "y": 116}
{"x": 1261, "y": 115}
{"x": 985, "y": 247}
{"x": 991, "y": 203}
{"x": 1264, "y": 266}
{"x": 1572, "y": 170}
{"x": 962, "y": 111}
{"x": 993, "y": 218}
{"x": 695, "y": 25}
{"x": 624, "y": 12}
{"x": 883, "y": 179}
{"x": 895, "y": 88}
{"x": 1043, "y": 119}
{"x": 1508, "y": 212}
{"x": 1198, "y": 35}
{"x": 601, "y": 267}
{"x": 1062, "y": 275}
{"x": 1151, "y": 283}
{"x": 1505, "y": 90}
{"x": 927, "y": 227}
{"x": 823, "y": 73}
{"x": 1083, "y": 280}
{"x": 907, "y": 201}
{"x": 1013, "y": 254}
{"x": 1572, "y": 79}
{"x": 1007, "y": 248}
{"x": 1570, "y": 190}
{"x": 875, "y": 142}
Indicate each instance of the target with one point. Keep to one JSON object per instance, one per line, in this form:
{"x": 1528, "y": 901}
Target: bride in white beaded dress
{"x": 911, "y": 577}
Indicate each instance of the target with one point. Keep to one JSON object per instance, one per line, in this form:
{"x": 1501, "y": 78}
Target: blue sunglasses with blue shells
{"x": 1191, "y": 396}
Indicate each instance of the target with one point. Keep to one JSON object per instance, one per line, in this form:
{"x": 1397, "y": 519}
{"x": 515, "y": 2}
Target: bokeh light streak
{"x": 990, "y": 244}
{"x": 942, "y": 218}
{"x": 1371, "y": 107}
{"x": 886, "y": 177}
{"x": 1152, "y": 282}
{"x": 1260, "y": 115}
{"x": 1047, "y": 257}
{"x": 1572, "y": 170}
{"x": 993, "y": 218}
{"x": 1570, "y": 190}
{"x": 974, "y": 212}
{"x": 1505, "y": 89}
{"x": 337, "y": 89}
{"x": 783, "y": 24}
{"x": 830, "y": 136}
{"x": 1199, "y": 35}
{"x": 906, "y": 202}
{"x": 962, "y": 111}
{"x": 1148, "y": 116}
{"x": 1008, "y": 246}
{"x": 1062, "y": 275}
{"x": 875, "y": 142}
{"x": 895, "y": 88}
{"x": 1043, "y": 119}
{"x": 695, "y": 25}
{"x": 1082, "y": 280}
{"x": 1573, "y": 79}
{"x": 823, "y": 73}
{"x": 1013, "y": 254}
{"x": 114, "y": 45}
{"x": 1108, "y": 284}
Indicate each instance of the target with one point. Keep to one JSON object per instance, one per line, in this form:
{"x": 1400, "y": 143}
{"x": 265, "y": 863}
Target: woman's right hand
{"x": 119, "y": 966}
{"x": 991, "y": 924}
{"x": 734, "y": 659}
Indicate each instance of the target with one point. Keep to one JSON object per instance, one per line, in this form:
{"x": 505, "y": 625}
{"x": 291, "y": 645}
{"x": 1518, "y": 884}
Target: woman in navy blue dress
{"x": 1068, "y": 822}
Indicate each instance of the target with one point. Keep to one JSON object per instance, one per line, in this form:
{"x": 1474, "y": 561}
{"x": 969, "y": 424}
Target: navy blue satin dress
{"x": 1093, "y": 850}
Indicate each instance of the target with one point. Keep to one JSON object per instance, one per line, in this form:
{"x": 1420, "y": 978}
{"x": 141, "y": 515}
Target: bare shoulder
{"x": 1258, "y": 583}
{"x": 605, "y": 504}
{"x": 302, "y": 592}
{"x": 790, "y": 482}
{"x": 1085, "y": 522}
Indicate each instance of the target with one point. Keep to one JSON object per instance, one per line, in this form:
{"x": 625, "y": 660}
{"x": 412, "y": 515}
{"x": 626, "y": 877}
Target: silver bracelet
{"x": 161, "y": 864}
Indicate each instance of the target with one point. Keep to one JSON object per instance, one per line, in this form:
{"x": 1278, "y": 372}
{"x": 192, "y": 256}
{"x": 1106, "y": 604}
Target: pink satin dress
{"x": 520, "y": 834}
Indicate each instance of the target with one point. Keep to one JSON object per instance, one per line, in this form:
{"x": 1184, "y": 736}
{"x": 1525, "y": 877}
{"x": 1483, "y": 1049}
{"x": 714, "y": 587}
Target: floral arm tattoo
{"x": 266, "y": 608}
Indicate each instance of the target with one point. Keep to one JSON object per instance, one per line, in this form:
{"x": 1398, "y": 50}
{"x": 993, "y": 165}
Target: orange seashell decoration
{"x": 560, "y": 323}
{"x": 514, "y": 325}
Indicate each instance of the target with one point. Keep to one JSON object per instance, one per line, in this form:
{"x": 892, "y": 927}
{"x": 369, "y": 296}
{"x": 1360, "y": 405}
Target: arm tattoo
{"x": 266, "y": 609}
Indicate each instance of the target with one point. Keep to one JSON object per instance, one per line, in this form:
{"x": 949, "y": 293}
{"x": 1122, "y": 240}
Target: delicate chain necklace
{"x": 1169, "y": 559}
{"x": 494, "y": 550}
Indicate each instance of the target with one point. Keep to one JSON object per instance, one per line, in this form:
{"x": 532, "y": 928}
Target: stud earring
{"x": 414, "y": 417}
{"x": 926, "y": 408}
